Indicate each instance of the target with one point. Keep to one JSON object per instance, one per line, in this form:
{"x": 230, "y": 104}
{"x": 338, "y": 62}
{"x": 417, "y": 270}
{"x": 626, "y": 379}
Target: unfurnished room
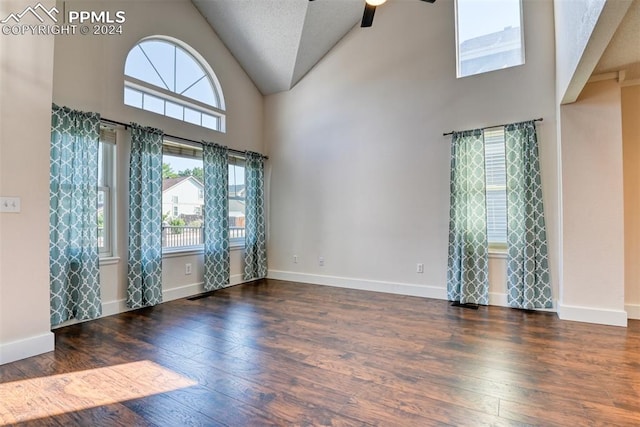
{"x": 319, "y": 212}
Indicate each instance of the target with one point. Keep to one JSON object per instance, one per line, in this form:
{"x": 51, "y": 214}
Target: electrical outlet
{"x": 295, "y": 259}
{"x": 187, "y": 269}
{"x": 321, "y": 261}
{"x": 10, "y": 204}
{"x": 419, "y": 268}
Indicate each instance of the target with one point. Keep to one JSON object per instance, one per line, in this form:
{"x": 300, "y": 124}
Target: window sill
{"x": 192, "y": 250}
{"x": 185, "y": 251}
{"x": 109, "y": 260}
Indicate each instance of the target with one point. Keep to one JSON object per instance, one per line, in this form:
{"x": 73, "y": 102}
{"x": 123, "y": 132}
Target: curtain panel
{"x": 145, "y": 218}
{"x": 74, "y": 273}
{"x": 528, "y": 279}
{"x": 255, "y": 235}
{"x": 468, "y": 255}
{"x": 216, "y": 216}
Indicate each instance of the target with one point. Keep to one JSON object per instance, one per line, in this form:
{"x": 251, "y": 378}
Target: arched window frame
{"x": 144, "y": 89}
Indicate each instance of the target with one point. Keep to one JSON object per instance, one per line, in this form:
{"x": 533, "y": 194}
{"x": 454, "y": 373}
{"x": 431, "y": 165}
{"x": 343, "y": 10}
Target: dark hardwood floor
{"x": 281, "y": 353}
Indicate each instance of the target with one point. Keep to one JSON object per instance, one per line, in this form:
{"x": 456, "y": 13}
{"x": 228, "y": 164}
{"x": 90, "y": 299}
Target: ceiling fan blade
{"x": 367, "y": 17}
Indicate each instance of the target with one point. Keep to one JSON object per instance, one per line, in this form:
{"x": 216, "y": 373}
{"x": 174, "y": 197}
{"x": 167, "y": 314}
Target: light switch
{"x": 10, "y": 204}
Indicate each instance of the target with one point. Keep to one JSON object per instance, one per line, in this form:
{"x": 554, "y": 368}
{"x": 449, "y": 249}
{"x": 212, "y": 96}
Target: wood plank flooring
{"x": 281, "y": 353}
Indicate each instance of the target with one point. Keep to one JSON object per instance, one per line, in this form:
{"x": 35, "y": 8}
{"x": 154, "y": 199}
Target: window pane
{"x": 161, "y": 55}
{"x": 192, "y": 116}
{"x": 101, "y": 219}
{"x": 139, "y": 67}
{"x": 236, "y": 199}
{"x": 489, "y": 35}
{"x": 188, "y": 71}
{"x": 496, "y": 185}
{"x": 101, "y": 156}
{"x": 182, "y": 204}
{"x": 201, "y": 91}
{"x": 106, "y": 182}
{"x": 174, "y": 110}
{"x": 132, "y": 97}
{"x": 210, "y": 121}
{"x": 153, "y": 104}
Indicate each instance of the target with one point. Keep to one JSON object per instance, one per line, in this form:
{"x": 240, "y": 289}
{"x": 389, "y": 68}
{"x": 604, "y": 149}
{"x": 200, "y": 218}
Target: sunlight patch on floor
{"x": 43, "y": 397}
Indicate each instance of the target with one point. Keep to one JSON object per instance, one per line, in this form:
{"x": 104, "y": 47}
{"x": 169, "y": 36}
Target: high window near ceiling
{"x": 489, "y": 35}
{"x": 165, "y": 76}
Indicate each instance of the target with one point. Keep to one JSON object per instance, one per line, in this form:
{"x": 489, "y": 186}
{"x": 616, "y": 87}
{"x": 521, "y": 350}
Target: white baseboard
{"x": 110, "y": 308}
{"x": 592, "y": 315}
{"x": 28, "y": 347}
{"x": 361, "y": 284}
{"x": 195, "y": 289}
{"x": 114, "y": 307}
{"x": 633, "y": 311}
{"x": 182, "y": 291}
{"x": 495, "y": 298}
{"x": 498, "y": 299}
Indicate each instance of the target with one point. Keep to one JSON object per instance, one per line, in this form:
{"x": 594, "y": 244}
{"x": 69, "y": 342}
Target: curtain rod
{"x": 127, "y": 125}
{"x": 489, "y": 127}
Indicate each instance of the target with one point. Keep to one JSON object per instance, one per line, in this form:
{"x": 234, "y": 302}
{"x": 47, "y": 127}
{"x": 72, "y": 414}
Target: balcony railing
{"x": 177, "y": 236}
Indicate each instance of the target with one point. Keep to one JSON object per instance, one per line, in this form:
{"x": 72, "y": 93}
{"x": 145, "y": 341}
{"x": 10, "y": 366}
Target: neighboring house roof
{"x": 508, "y": 35}
{"x": 236, "y": 190}
{"x": 168, "y": 183}
{"x": 236, "y": 208}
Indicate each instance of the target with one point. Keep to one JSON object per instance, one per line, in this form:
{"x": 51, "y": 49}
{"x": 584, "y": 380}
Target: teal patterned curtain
{"x": 528, "y": 282}
{"x": 216, "y": 216}
{"x": 468, "y": 261}
{"x": 255, "y": 257}
{"x": 145, "y": 217}
{"x": 74, "y": 273}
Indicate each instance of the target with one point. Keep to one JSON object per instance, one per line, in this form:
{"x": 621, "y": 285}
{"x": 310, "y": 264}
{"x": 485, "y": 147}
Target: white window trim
{"x": 218, "y": 111}
{"x": 459, "y": 74}
{"x": 165, "y": 95}
{"x": 108, "y": 140}
{"x": 234, "y": 244}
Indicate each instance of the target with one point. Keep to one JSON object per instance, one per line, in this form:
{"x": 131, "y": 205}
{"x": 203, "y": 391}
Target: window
{"x": 489, "y": 35}
{"x": 183, "y": 195}
{"x": 106, "y": 192}
{"x": 496, "y": 178}
{"x": 165, "y": 76}
{"x": 236, "y": 201}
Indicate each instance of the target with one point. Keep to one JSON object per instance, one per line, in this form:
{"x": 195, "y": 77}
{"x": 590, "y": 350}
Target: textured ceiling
{"x": 623, "y": 52}
{"x": 278, "y": 41}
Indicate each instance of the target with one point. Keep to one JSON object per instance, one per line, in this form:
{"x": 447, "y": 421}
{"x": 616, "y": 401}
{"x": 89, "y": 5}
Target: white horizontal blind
{"x": 496, "y": 177}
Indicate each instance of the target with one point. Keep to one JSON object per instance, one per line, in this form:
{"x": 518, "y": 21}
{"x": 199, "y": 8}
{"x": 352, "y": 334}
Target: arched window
{"x": 165, "y": 76}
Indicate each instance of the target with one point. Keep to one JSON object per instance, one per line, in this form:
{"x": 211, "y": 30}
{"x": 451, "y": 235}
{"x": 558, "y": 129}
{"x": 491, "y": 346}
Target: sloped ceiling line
{"x": 277, "y": 42}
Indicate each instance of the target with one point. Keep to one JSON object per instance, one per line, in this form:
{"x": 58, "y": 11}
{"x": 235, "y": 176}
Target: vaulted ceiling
{"x": 278, "y": 41}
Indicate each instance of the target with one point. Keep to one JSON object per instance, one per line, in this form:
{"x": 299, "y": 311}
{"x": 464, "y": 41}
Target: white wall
{"x": 26, "y": 65}
{"x": 631, "y": 160}
{"x": 360, "y": 169}
{"x": 88, "y": 75}
{"x": 593, "y": 213}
